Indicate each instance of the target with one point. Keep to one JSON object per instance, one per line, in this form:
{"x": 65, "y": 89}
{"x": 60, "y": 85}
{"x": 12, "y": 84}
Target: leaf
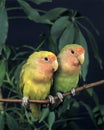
{"x": 11, "y": 122}
{"x": 67, "y": 36}
{"x": 91, "y": 24}
{"x": 58, "y": 28}
{"x": 3, "y": 24}
{"x": 45, "y": 112}
{"x": 95, "y": 48}
{"x": 90, "y": 112}
{"x": 32, "y": 13}
{"x": 82, "y": 41}
{"x": 93, "y": 94}
{"x": 55, "y": 33}
{"x": 2, "y": 70}
{"x": 52, "y": 45}
{"x": 2, "y": 120}
{"x": 65, "y": 105}
{"x": 17, "y": 71}
{"x": 7, "y": 51}
{"x": 29, "y": 47}
{"x": 74, "y": 108}
{"x": 90, "y": 91}
{"x": 51, "y": 119}
{"x": 74, "y": 126}
{"x": 93, "y": 44}
{"x": 99, "y": 114}
{"x": 102, "y": 110}
{"x": 96, "y": 109}
{"x": 100, "y": 121}
{"x": 20, "y": 54}
{"x": 54, "y": 13}
{"x": 41, "y": 1}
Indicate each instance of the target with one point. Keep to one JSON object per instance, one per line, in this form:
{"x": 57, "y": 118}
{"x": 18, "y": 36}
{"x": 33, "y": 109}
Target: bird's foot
{"x": 51, "y": 99}
{"x": 73, "y": 92}
{"x": 25, "y": 101}
{"x": 60, "y": 96}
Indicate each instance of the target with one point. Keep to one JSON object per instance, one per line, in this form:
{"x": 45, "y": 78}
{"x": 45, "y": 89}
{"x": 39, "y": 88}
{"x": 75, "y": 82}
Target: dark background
{"x": 28, "y": 32}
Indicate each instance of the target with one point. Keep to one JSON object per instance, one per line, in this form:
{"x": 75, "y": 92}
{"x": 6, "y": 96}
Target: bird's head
{"x": 71, "y": 58}
{"x": 43, "y": 64}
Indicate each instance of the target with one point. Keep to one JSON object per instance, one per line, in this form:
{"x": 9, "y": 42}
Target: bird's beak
{"x": 55, "y": 65}
{"x": 81, "y": 58}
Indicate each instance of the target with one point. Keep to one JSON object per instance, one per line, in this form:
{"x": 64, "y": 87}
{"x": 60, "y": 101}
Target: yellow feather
{"x": 36, "y": 78}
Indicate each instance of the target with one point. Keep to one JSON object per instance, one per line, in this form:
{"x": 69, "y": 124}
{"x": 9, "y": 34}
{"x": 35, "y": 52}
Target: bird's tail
{"x": 36, "y": 110}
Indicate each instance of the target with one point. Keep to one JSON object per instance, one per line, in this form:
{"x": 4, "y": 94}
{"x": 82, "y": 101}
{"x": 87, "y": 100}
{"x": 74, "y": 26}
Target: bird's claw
{"x": 60, "y": 96}
{"x": 73, "y": 92}
{"x": 25, "y": 101}
{"x": 51, "y": 99}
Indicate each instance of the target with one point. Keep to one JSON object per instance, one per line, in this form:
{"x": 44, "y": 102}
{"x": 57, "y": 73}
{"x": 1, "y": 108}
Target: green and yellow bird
{"x": 70, "y": 59}
{"x": 36, "y": 78}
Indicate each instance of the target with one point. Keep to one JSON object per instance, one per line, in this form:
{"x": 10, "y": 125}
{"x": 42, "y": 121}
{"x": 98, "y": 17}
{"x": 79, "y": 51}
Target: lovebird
{"x": 66, "y": 78}
{"x": 36, "y": 79}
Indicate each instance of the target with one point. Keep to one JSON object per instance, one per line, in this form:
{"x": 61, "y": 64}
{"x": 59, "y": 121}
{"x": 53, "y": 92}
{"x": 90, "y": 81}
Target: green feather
{"x": 64, "y": 83}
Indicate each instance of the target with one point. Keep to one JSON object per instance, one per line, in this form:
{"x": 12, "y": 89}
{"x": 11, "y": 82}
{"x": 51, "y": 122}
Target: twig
{"x": 79, "y": 89}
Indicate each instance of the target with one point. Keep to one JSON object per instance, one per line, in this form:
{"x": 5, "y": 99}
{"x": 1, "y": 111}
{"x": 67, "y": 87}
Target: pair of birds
{"x": 36, "y": 76}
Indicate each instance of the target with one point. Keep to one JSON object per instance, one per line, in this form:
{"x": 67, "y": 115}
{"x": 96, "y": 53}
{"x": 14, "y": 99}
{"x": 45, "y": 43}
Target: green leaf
{"x": 17, "y": 71}
{"x": 93, "y": 44}
{"x": 95, "y": 48}
{"x": 52, "y": 45}
{"x": 32, "y": 13}
{"x": 65, "y": 105}
{"x": 20, "y": 54}
{"x": 29, "y": 47}
{"x": 51, "y": 120}
{"x": 7, "y": 51}
{"x": 92, "y": 25}
{"x": 75, "y": 104}
{"x": 54, "y": 13}
{"x": 11, "y": 122}
{"x": 45, "y": 112}
{"x": 90, "y": 91}
{"x": 74, "y": 126}
{"x": 100, "y": 121}
{"x": 99, "y": 114}
{"x": 96, "y": 109}
{"x": 93, "y": 94}
{"x": 73, "y": 110}
{"x": 2, "y": 70}
{"x": 3, "y": 24}
{"x": 58, "y": 28}
{"x": 67, "y": 36}
{"x": 90, "y": 112}
{"x": 41, "y": 1}
{"x": 82, "y": 41}
{"x": 102, "y": 110}
{"x": 2, "y": 120}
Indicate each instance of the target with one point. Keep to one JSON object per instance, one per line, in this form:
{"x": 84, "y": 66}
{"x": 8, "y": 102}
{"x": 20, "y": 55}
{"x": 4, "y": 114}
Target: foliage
{"x": 64, "y": 26}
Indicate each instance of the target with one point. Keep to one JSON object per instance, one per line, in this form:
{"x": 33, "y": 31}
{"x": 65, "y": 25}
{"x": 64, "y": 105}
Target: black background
{"x": 27, "y": 32}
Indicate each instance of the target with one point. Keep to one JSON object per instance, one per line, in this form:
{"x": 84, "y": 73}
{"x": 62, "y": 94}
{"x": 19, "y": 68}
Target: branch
{"x": 79, "y": 89}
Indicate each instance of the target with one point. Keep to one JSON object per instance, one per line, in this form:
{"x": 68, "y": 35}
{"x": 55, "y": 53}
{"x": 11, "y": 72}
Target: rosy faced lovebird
{"x": 36, "y": 78}
{"x": 70, "y": 59}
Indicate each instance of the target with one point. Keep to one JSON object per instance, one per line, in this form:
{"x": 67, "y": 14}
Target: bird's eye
{"x": 72, "y": 52}
{"x": 46, "y": 59}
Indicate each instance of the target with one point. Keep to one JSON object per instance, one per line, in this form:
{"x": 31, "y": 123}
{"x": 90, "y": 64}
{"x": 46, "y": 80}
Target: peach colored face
{"x": 71, "y": 59}
{"x": 48, "y": 63}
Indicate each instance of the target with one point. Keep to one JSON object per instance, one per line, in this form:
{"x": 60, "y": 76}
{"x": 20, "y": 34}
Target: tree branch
{"x": 78, "y": 89}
